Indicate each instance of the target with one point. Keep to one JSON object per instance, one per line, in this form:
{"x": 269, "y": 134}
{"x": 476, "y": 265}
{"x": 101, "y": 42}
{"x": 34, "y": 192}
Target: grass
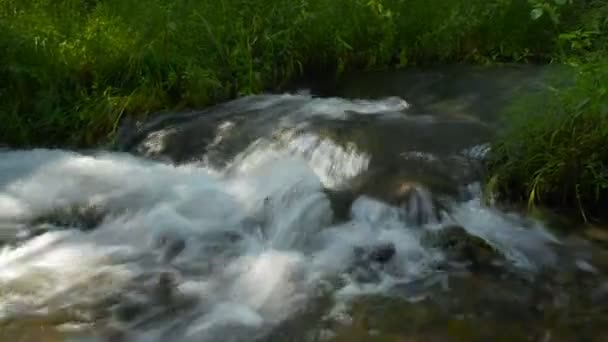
{"x": 73, "y": 68}
{"x": 553, "y": 151}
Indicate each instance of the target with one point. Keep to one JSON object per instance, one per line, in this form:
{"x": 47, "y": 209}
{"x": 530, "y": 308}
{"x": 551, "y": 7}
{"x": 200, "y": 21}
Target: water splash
{"x": 252, "y": 242}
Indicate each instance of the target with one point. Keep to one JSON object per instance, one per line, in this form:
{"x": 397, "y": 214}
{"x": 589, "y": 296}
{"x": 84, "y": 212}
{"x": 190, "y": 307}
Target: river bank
{"x": 77, "y": 68}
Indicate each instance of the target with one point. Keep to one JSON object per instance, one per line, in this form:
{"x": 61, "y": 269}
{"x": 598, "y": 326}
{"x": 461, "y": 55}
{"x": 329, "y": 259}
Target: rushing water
{"x": 225, "y": 225}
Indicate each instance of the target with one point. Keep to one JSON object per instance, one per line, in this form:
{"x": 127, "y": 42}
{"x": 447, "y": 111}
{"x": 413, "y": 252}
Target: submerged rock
{"x": 341, "y": 202}
{"x": 369, "y": 261}
{"x": 418, "y": 203}
{"x": 380, "y": 253}
{"x": 459, "y": 245}
{"x": 84, "y": 217}
{"x": 165, "y": 289}
{"x": 407, "y": 189}
{"x": 127, "y": 312}
{"x": 172, "y": 246}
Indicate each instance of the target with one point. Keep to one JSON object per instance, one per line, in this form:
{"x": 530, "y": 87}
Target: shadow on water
{"x": 477, "y": 92}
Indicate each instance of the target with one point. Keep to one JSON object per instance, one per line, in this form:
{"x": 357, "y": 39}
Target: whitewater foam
{"x": 258, "y": 234}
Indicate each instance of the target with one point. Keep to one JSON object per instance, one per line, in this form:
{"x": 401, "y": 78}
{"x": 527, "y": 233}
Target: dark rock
{"x": 418, "y": 203}
{"x": 165, "y": 289}
{"x": 341, "y": 202}
{"x": 399, "y": 188}
{"x": 114, "y": 334}
{"x": 128, "y": 311}
{"x": 421, "y": 288}
{"x": 600, "y": 294}
{"x": 459, "y": 245}
{"x": 369, "y": 260}
{"x": 364, "y": 274}
{"x": 172, "y": 246}
{"x": 380, "y": 253}
{"x": 84, "y": 217}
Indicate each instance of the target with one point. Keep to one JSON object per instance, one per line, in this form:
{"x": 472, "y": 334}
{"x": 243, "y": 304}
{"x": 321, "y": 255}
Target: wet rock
{"x": 172, "y": 246}
{"x": 369, "y": 260}
{"x": 365, "y": 275}
{"x": 84, "y": 217}
{"x": 127, "y": 312}
{"x": 165, "y": 289}
{"x": 379, "y": 253}
{"x": 421, "y": 289}
{"x": 600, "y": 294}
{"x": 459, "y": 245}
{"x": 597, "y": 234}
{"x": 417, "y": 202}
{"x": 114, "y": 334}
{"x": 341, "y": 202}
{"x": 408, "y": 191}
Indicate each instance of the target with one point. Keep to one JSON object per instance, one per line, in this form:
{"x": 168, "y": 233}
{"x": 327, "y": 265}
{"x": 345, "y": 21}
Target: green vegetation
{"x": 72, "y": 68}
{"x": 554, "y": 151}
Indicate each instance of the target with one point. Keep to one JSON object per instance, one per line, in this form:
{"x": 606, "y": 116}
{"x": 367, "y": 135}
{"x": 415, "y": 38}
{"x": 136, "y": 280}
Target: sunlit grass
{"x": 72, "y": 68}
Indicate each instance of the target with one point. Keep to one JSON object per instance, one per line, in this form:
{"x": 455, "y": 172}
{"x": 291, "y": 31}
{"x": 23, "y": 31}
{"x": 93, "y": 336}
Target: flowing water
{"x": 288, "y": 218}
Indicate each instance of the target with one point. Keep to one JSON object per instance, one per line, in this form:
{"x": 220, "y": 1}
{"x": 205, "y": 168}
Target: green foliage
{"x": 73, "y": 68}
{"x": 553, "y": 151}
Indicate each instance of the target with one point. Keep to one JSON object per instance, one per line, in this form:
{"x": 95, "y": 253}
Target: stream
{"x": 343, "y": 212}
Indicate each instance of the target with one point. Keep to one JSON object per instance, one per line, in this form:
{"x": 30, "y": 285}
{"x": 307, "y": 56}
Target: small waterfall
{"x": 235, "y": 248}
{"x": 418, "y": 203}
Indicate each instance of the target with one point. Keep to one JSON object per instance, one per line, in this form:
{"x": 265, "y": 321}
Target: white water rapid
{"x": 239, "y": 249}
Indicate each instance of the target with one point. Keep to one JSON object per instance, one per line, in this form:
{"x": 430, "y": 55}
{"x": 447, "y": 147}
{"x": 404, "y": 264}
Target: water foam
{"x": 280, "y": 200}
{"x": 259, "y": 234}
{"x": 334, "y": 164}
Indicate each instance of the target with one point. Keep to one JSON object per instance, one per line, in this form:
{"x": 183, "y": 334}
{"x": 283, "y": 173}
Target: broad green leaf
{"x": 536, "y": 13}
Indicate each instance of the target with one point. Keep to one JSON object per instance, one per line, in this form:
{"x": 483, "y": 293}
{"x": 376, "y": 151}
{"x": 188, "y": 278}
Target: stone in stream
{"x": 83, "y": 217}
{"x": 127, "y": 312}
{"x": 172, "y": 246}
{"x": 114, "y": 334}
{"x": 418, "y": 203}
{"x": 369, "y": 260}
{"x": 459, "y": 245}
{"x": 341, "y": 202}
{"x": 395, "y": 186}
{"x": 165, "y": 289}
{"x": 380, "y": 253}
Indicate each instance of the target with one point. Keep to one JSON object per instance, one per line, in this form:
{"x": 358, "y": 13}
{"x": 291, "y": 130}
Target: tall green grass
{"x": 71, "y": 69}
{"x": 554, "y": 150}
